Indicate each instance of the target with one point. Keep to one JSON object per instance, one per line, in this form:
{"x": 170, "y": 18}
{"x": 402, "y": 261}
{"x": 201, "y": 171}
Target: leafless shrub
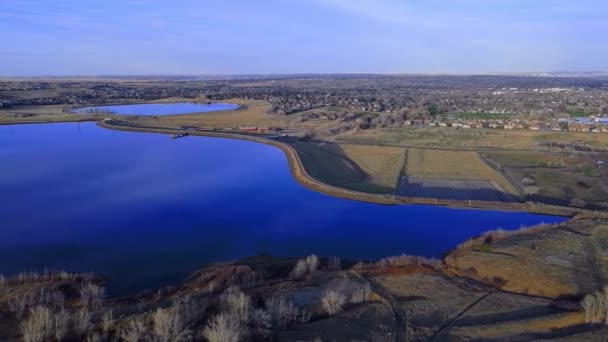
{"x": 107, "y": 321}
{"x": 57, "y": 300}
{"x": 313, "y": 263}
{"x": 133, "y": 332}
{"x": 93, "y": 337}
{"x": 2, "y": 280}
{"x": 333, "y": 302}
{"x": 398, "y": 261}
{"x": 360, "y": 295}
{"x": 190, "y": 310}
{"x": 284, "y": 314}
{"x": 82, "y": 322}
{"x": 168, "y": 326}
{"x": 20, "y": 303}
{"x": 334, "y": 264}
{"x": 92, "y": 295}
{"x": 222, "y": 277}
{"x": 305, "y": 267}
{"x": 37, "y": 326}
{"x": 595, "y": 306}
{"x": 300, "y": 270}
{"x": 500, "y": 234}
{"x": 528, "y": 181}
{"x": 238, "y": 304}
{"x": 60, "y": 322}
{"x": 224, "y": 328}
{"x": 260, "y": 319}
{"x": 359, "y": 266}
{"x": 24, "y": 277}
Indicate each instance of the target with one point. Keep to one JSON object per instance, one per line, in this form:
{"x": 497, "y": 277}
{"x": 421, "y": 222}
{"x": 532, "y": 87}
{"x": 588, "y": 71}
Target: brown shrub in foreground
{"x": 333, "y": 302}
{"x": 224, "y": 328}
{"x": 595, "y": 306}
{"x": 37, "y": 326}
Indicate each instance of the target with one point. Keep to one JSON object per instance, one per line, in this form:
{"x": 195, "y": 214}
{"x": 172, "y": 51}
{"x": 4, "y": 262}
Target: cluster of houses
{"x": 263, "y": 129}
{"x": 594, "y": 125}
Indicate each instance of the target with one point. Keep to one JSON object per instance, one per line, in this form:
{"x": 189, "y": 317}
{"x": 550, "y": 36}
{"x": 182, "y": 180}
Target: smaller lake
{"x": 159, "y": 108}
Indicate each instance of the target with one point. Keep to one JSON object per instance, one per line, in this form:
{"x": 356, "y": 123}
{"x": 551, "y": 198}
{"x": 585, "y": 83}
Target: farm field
{"x": 453, "y": 170}
{"x": 354, "y": 167}
{"x": 382, "y": 165}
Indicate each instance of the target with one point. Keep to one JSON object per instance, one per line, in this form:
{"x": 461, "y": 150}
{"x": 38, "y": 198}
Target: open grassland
{"x": 566, "y": 259}
{"x": 555, "y": 178}
{"x": 556, "y": 186}
{"x": 53, "y": 113}
{"x": 383, "y": 166}
{"x": 473, "y": 139}
{"x": 454, "y": 165}
{"x": 530, "y": 159}
{"x": 425, "y": 163}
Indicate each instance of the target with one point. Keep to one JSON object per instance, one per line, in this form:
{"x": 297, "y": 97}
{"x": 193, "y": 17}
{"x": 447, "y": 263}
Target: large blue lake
{"x": 144, "y": 210}
{"x": 159, "y": 108}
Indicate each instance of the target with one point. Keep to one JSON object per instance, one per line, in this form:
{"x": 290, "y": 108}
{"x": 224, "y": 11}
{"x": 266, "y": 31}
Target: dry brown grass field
{"x": 460, "y": 165}
{"x": 473, "y": 139}
{"x": 354, "y": 167}
{"x": 567, "y": 259}
{"x": 382, "y": 164}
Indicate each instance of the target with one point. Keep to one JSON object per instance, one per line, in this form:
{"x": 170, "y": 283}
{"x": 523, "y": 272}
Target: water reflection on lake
{"x": 144, "y": 210}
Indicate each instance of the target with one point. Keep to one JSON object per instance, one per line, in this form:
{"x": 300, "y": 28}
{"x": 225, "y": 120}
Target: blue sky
{"x": 69, "y": 37}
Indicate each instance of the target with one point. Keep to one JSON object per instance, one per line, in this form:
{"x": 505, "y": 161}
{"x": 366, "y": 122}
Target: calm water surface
{"x": 159, "y": 108}
{"x": 144, "y": 210}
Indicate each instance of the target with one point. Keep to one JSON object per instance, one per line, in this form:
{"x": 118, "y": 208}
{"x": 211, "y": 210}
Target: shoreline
{"x": 299, "y": 173}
